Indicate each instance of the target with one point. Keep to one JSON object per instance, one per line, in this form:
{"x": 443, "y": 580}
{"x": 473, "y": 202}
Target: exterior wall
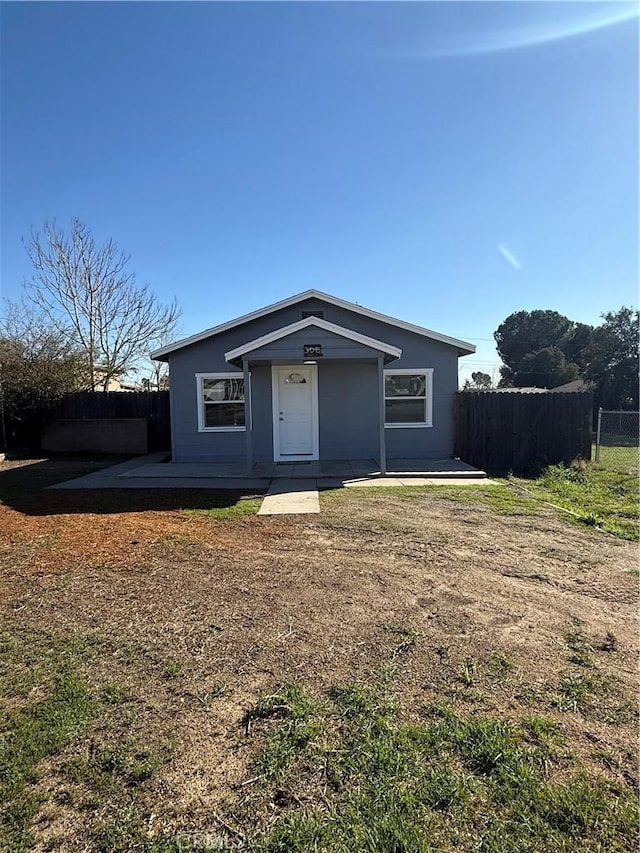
{"x": 434, "y": 442}
{"x": 289, "y": 350}
{"x": 348, "y": 401}
{"x": 262, "y": 412}
{"x": 348, "y": 410}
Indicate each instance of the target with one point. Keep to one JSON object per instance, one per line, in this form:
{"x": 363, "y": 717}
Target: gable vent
{"x": 306, "y": 314}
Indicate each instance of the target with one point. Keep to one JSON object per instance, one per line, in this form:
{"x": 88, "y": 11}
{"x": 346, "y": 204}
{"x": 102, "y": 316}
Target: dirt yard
{"x": 500, "y": 607}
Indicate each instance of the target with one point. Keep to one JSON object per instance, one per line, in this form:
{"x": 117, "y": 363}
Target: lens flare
{"x": 531, "y": 34}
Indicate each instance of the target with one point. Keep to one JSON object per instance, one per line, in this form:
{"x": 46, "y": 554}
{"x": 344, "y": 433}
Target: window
{"x": 295, "y": 379}
{"x": 408, "y": 397}
{"x": 220, "y": 401}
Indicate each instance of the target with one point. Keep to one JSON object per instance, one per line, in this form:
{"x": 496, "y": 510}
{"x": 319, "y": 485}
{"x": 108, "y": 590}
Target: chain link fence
{"x": 618, "y": 441}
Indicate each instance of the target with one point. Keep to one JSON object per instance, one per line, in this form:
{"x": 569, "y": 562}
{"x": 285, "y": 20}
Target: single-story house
{"x": 312, "y": 377}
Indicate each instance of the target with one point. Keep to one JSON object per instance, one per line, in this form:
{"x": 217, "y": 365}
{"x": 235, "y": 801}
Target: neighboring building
{"x": 161, "y": 384}
{"x": 313, "y": 377}
{"x": 524, "y": 389}
{"x": 114, "y": 383}
{"x": 575, "y": 385}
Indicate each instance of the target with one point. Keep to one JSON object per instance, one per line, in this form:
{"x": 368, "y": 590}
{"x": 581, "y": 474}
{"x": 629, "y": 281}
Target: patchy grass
{"x": 500, "y": 665}
{"x": 121, "y": 764}
{"x": 206, "y": 699}
{"x": 172, "y": 624}
{"x": 574, "y": 692}
{"x": 344, "y": 770}
{"x": 625, "y": 459}
{"x": 601, "y": 498}
{"x": 348, "y": 772}
{"x": 580, "y": 646}
{"x": 32, "y": 660}
{"x": 242, "y": 506}
{"x": 469, "y": 672}
{"x": 588, "y": 688}
{"x": 35, "y": 730}
{"x": 47, "y": 711}
{"x": 500, "y": 500}
{"x": 594, "y": 695}
{"x": 406, "y": 636}
{"x": 172, "y": 669}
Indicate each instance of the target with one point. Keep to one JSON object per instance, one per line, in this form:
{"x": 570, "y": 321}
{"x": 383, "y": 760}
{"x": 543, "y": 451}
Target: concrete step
{"x": 291, "y": 497}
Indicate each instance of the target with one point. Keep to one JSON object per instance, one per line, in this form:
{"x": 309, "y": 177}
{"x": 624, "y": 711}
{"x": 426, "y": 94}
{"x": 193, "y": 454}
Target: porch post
{"x": 383, "y": 449}
{"x": 247, "y": 417}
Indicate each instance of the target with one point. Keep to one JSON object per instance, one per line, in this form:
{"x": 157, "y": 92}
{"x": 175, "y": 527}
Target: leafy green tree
{"x": 575, "y": 343}
{"x": 546, "y": 368}
{"x": 541, "y": 348}
{"x": 612, "y": 360}
{"x": 524, "y": 332}
{"x": 479, "y": 382}
{"x": 38, "y": 364}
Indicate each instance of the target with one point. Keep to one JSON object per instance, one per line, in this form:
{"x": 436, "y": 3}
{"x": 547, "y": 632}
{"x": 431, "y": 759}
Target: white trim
{"x": 275, "y": 408}
{"x": 407, "y": 426}
{"x": 319, "y": 323}
{"x": 412, "y": 371}
{"x": 463, "y": 347}
{"x": 201, "y": 426}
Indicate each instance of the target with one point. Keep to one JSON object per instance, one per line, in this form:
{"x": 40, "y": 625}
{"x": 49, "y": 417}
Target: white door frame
{"x": 275, "y": 405}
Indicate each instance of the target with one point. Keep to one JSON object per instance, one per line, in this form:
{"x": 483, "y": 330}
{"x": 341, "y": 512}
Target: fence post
{"x": 598, "y": 434}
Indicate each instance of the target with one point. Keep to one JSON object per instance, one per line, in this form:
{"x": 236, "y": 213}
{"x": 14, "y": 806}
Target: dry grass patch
{"x": 178, "y": 625}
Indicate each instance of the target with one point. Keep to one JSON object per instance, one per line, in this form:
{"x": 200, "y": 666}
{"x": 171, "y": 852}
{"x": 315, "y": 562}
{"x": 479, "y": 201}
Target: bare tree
{"x": 156, "y": 373}
{"x": 89, "y": 292}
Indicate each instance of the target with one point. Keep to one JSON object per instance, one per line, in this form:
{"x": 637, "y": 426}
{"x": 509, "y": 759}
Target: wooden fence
{"x": 522, "y": 431}
{"x": 152, "y": 405}
{"x": 24, "y": 432}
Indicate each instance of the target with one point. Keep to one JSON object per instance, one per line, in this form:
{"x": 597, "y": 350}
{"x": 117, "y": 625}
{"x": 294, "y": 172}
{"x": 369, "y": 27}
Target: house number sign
{"x": 312, "y": 350}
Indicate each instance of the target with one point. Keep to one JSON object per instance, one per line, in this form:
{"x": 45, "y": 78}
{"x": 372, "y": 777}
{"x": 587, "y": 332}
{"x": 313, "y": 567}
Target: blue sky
{"x": 445, "y": 163}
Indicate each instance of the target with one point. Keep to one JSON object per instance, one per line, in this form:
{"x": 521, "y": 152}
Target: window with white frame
{"x": 408, "y": 397}
{"x": 220, "y": 402}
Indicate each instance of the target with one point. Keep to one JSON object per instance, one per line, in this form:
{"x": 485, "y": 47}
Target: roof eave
{"x": 463, "y": 347}
{"x": 278, "y": 334}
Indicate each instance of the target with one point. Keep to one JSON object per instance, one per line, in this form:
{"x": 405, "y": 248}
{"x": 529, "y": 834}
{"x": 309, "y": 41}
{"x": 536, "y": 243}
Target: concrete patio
{"x": 154, "y": 472}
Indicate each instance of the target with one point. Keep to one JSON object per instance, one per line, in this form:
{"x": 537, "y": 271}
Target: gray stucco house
{"x": 312, "y": 377}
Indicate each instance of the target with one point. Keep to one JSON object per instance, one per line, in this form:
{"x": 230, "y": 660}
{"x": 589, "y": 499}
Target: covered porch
{"x": 366, "y": 469}
{"x": 313, "y": 401}
{"x": 156, "y": 471}
{"x": 345, "y": 470}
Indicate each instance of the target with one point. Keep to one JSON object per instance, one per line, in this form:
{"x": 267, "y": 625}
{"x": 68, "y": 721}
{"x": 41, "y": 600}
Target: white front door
{"x": 295, "y": 412}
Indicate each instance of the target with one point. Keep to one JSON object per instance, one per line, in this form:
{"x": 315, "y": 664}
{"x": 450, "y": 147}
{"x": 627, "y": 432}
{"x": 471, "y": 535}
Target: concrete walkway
{"x": 148, "y": 468}
{"x": 291, "y": 497}
{"x": 153, "y": 472}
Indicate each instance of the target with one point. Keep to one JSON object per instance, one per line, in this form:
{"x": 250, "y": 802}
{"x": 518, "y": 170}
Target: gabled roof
{"x": 463, "y": 347}
{"x": 320, "y": 323}
{"x": 575, "y": 385}
{"x": 524, "y": 389}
